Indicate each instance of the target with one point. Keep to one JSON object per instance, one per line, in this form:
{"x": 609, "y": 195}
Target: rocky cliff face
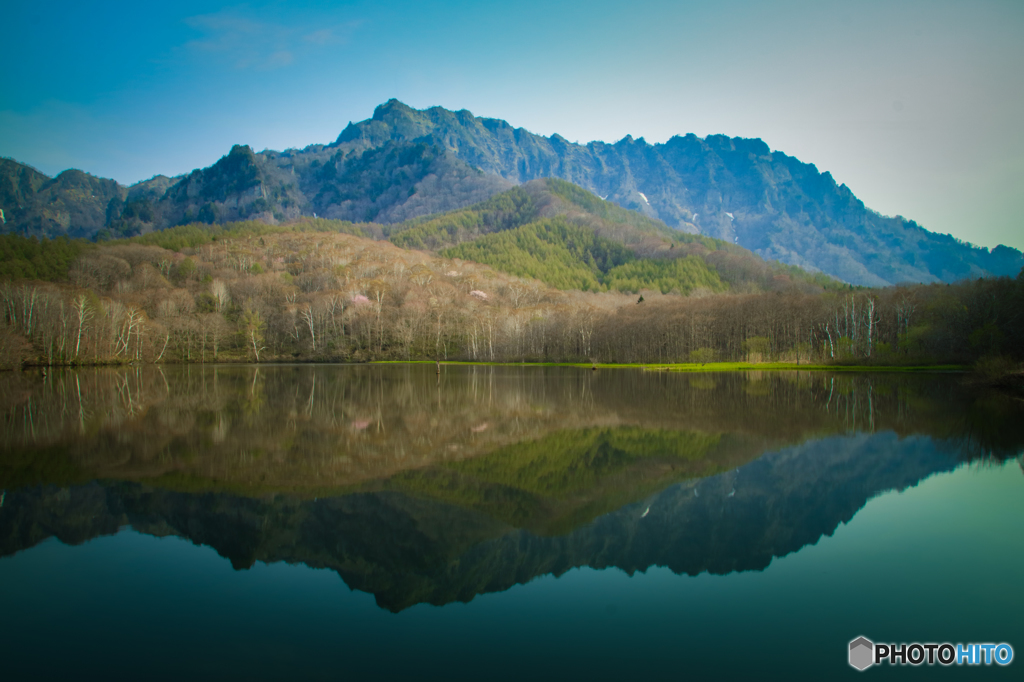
{"x": 404, "y": 163}
{"x": 734, "y": 189}
{"x": 73, "y": 204}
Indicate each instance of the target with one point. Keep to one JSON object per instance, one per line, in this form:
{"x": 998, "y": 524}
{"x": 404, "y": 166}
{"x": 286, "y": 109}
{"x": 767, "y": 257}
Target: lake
{"x": 502, "y": 522}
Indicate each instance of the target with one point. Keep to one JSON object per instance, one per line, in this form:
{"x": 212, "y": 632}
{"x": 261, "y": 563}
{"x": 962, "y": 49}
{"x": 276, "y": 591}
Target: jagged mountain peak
{"x": 405, "y": 162}
{"x": 731, "y": 188}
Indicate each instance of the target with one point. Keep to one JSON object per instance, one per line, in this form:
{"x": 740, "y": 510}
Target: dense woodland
{"x": 318, "y": 291}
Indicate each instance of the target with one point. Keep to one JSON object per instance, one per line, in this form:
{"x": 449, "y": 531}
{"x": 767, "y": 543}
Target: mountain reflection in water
{"x": 424, "y": 489}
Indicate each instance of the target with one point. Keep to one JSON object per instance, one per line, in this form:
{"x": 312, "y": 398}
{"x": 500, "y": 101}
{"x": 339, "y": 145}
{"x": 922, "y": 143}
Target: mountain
{"x": 733, "y": 189}
{"x": 405, "y": 163}
{"x": 74, "y": 203}
{"x": 549, "y": 230}
{"x": 388, "y": 184}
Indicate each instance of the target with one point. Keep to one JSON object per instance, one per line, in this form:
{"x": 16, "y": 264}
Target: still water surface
{"x": 330, "y": 522}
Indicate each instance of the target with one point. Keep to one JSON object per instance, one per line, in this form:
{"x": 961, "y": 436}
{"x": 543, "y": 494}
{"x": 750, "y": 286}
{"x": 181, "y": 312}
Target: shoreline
{"x": 689, "y": 367}
{"x": 697, "y": 367}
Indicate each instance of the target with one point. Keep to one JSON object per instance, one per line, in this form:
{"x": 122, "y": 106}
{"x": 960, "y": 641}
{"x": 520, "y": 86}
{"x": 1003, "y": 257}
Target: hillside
{"x": 403, "y": 163}
{"x": 566, "y": 237}
{"x": 549, "y": 230}
{"x": 322, "y": 290}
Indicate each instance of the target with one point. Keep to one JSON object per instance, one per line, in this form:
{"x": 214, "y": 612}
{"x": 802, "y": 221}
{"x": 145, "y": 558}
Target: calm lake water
{"x": 493, "y": 523}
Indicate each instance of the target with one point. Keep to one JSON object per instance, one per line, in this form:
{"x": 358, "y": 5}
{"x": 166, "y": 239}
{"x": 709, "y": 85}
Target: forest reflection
{"x": 312, "y": 429}
{"x": 425, "y": 488}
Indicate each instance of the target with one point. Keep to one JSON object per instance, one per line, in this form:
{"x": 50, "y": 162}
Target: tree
{"x": 251, "y": 326}
{"x": 219, "y": 291}
{"x": 83, "y": 313}
{"x": 757, "y": 348}
{"x": 702, "y": 355}
{"x": 306, "y": 313}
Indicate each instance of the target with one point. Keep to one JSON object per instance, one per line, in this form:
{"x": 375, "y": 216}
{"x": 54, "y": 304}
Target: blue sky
{"x": 916, "y": 106}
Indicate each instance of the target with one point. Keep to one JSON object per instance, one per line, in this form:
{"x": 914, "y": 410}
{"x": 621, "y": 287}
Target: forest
{"x": 328, "y": 291}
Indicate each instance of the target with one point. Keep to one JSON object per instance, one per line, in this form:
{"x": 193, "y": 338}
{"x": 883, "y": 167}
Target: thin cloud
{"x": 324, "y": 36}
{"x": 280, "y": 58}
{"x": 247, "y": 43}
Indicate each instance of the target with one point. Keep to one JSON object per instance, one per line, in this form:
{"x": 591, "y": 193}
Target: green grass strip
{"x": 696, "y": 367}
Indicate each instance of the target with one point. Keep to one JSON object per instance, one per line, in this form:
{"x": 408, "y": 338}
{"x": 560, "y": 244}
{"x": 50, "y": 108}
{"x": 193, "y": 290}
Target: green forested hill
{"x": 502, "y": 212}
{"x": 607, "y": 210}
{"x": 566, "y": 237}
{"x": 684, "y": 275}
{"x": 568, "y": 256}
{"x": 552, "y": 250}
{"x": 528, "y": 202}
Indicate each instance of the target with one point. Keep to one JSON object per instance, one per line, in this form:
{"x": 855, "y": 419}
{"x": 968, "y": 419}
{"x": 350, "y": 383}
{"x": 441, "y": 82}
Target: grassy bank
{"x": 698, "y": 367}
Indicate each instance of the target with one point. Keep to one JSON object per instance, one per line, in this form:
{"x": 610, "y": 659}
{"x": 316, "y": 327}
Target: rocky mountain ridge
{"x": 404, "y": 163}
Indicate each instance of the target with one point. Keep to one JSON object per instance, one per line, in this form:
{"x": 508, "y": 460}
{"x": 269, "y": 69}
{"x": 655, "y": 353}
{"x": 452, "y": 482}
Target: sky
{"x": 916, "y": 106}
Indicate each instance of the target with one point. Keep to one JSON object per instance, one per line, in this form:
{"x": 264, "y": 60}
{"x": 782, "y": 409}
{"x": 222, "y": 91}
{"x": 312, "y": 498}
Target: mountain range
{"x": 405, "y": 163}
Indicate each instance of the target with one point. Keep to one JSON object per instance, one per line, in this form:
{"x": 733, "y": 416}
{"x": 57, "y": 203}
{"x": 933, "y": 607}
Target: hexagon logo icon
{"x": 862, "y": 653}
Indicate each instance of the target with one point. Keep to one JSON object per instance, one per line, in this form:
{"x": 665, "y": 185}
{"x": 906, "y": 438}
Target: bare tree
{"x": 306, "y": 313}
{"x": 83, "y": 313}
{"x": 219, "y": 291}
{"x": 251, "y": 326}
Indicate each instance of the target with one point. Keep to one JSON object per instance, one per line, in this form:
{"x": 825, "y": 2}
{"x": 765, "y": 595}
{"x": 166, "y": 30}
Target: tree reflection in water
{"x": 420, "y": 489}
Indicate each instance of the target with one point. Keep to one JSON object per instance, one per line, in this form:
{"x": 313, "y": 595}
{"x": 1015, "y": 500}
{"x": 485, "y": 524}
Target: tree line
{"x": 310, "y": 293}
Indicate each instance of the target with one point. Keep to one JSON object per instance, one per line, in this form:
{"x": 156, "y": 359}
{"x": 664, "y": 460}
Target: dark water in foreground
{"x": 341, "y": 522}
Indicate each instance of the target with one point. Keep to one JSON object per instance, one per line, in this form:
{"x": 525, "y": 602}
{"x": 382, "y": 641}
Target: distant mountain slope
{"x": 73, "y": 203}
{"x": 405, "y": 163}
{"x": 392, "y": 183}
{"x": 731, "y": 188}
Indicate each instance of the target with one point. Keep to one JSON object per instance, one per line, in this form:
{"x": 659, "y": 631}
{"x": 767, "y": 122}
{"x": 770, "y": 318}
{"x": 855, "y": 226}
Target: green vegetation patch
{"x": 39, "y": 259}
{"x": 666, "y": 275}
{"x": 763, "y": 366}
{"x": 553, "y": 250}
{"x": 565, "y": 255}
{"x": 571, "y": 463}
{"x": 198, "y": 234}
{"x": 569, "y": 478}
{"x": 501, "y": 212}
